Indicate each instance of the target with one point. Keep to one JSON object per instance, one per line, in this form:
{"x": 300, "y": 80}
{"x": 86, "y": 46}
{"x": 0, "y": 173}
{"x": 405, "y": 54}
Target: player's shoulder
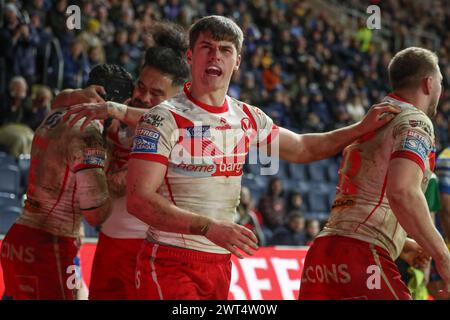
{"x": 414, "y": 118}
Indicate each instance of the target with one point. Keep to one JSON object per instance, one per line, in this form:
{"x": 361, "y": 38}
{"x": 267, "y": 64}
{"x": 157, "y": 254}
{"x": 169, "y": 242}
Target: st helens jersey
{"x": 120, "y": 224}
{"x": 361, "y": 209}
{"x": 62, "y": 160}
{"x": 204, "y": 148}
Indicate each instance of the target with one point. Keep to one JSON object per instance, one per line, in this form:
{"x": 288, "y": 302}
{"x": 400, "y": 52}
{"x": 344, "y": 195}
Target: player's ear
{"x": 238, "y": 63}
{"x": 427, "y": 85}
{"x": 189, "y": 56}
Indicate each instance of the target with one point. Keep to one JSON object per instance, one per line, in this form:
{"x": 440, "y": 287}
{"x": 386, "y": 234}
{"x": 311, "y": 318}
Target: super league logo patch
{"x": 416, "y": 145}
{"x": 146, "y": 141}
{"x": 94, "y": 157}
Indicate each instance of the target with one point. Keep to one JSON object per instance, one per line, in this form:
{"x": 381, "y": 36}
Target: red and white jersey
{"x": 59, "y": 179}
{"x": 361, "y": 209}
{"x": 204, "y": 148}
{"x": 120, "y": 224}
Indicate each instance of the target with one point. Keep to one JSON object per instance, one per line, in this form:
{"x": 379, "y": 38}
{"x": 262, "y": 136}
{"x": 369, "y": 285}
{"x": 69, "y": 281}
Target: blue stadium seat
{"x": 24, "y": 166}
{"x": 331, "y": 198}
{"x": 332, "y": 170}
{"x": 283, "y": 169}
{"x": 7, "y": 200}
{"x": 8, "y": 216}
{"x": 316, "y": 172}
{"x": 6, "y": 159}
{"x": 10, "y": 179}
{"x": 298, "y": 171}
{"x": 318, "y": 202}
{"x": 323, "y": 187}
{"x": 316, "y": 215}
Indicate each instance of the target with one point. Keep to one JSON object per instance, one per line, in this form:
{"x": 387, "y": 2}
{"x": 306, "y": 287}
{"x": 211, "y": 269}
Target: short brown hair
{"x": 221, "y": 29}
{"x": 409, "y": 66}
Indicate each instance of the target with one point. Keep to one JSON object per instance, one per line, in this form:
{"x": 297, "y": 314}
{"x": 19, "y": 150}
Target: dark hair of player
{"x": 221, "y": 29}
{"x": 116, "y": 81}
{"x": 168, "y": 54}
{"x": 409, "y": 66}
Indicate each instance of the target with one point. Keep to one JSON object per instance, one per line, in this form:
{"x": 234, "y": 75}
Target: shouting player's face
{"x": 213, "y": 62}
{"x": 152, "y": 88}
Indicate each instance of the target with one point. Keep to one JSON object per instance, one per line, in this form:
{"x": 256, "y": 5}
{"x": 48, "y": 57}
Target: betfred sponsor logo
{"x": 148, "y": 133}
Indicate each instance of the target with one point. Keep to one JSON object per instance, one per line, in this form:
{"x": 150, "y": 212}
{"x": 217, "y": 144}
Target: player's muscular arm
{"x": 303, "y": 148}
{"x": 70, "y": 97}
{"x": 143, "y": 201}
{"x": 92, "y": 191}
{"x": 102, "y": 111}
{"x": 409, "y": 205}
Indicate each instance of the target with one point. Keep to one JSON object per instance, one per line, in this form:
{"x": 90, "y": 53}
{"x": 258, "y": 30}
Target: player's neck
{"x": 413, "y": 98}
{"x": 209, "y": 97}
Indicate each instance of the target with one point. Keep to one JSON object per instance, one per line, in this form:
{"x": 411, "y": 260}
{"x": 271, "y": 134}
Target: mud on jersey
{"x": 59, "y": 156}
{"x": 204, "y": 148}
{"x": 120, "y": 224}
{"x": 361, "y": 209}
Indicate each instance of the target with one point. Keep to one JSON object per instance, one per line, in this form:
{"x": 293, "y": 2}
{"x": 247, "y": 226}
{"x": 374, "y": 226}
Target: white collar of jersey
{"x": 399, "y": 102}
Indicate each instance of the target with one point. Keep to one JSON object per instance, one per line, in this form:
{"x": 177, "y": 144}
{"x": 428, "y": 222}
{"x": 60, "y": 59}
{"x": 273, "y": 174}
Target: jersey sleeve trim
{"x": 87, "y": 166}
{"x": 411, "y": 156}
{"x": 150, "y": 157}
{"x": 272, "y": 135}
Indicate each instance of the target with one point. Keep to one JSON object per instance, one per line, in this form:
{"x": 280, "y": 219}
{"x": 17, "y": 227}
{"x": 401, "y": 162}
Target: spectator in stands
{"x": 16, "y": 139}
{"x": 90, "y": 37}
{"x": 39, "y": 7}
{"x": 17, "y": 104}
{"x": 295, "y": 202}
{"x": 312, "y": 230}
{"x": 45, "y": 37}
{"x": 272, "y": 205}
{"x": 40, "y": 107}
{"x": 134, "y": 45}
{"x": 18, "y": 41}
{"x": 96, "y": 56}
{"x": 246, "y": 216}
{"x": 107, "y": 28}
{"x": 76, "y": 66}
{"x": 56, "y": 20}
{"x": 292, "y": 233}
{"x": 114, "y": 49}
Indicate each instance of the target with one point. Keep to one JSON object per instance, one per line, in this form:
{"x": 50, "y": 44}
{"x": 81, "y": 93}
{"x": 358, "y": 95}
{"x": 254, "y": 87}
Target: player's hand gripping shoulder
{"x": 69, "y": 97}
{"x": 102, "y": 111}
{"x": 377, "y": 116}
{"x": 232, "y": 237}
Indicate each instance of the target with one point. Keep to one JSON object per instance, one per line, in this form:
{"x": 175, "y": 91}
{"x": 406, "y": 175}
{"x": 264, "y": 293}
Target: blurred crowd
{"x": 305, "y": 68}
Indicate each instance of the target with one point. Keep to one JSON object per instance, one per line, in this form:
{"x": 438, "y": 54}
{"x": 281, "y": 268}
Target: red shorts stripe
{"x": 171, "y": 273}
{"x": 36, "y": 264}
